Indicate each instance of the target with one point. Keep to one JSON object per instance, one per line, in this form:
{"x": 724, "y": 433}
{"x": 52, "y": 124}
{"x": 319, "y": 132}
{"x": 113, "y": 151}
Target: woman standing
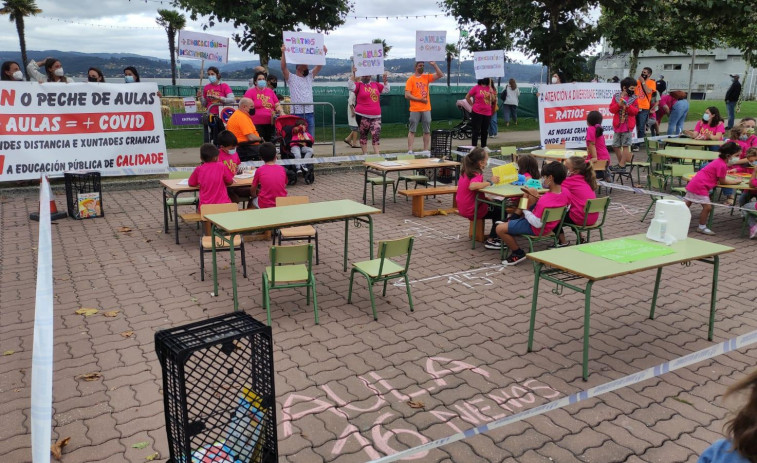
{"x": 510, "y": 96}
{"x": 131, "y": 75}
{"x": 678, "y": 111}
{"x": 95, "y": 75}
{"x": 266, "y": 103}
{"x": 53, "y": 71}
{"x": 215, "y": 92}
{"x": 11, "y": 71}
{"x": 368, "y": 109}
{"x": 482, "y": 100}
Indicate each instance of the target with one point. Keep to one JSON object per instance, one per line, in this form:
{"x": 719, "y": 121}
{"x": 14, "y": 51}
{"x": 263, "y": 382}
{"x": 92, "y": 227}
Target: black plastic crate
{"x": 441, "y": 144}
{"x": 218, "y": 390}
{"x": 83, "y": 195}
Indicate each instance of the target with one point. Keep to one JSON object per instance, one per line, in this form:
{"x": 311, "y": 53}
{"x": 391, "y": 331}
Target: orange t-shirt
{"x": 418, "y": 87}
{"x": 240, "y": 124}
{"x": 643, "y": 99}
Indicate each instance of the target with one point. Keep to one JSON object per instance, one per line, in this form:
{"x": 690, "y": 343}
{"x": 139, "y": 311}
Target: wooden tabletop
{"x": 572, "y": 260}
{"x": 557, "y": 153}
{"x": 506, "y": 191}
{"x": 694, "y": 155}
{"x": 744, "y": 185}
{"x": 693, "y": 142}
{"x": 173, "y": 184}
{"x": 410, "y": 164}
{"x": 299, "y": 214}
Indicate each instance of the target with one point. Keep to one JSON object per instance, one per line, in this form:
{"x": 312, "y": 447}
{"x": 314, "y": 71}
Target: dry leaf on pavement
{"x": 86, "y": 312}
{"x": 124, "y": 229}
{"x": 111, "y": 313}
{"x": 140, "y": 445}
{"x": 127, "y": 334}
{"x": 57, "y": 448}
{"x": 9, "y": 352}
{"x": 152, "y": 457}
{"x": 416, "y": 404}
{"x": 94, "y": 376}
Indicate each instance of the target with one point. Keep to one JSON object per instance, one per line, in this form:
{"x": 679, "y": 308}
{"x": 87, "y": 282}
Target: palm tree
{"x": 17, "y": 10}
{"x": 451, "y": 50}
{"x": 387, "y": 48}
{"x": 172, "y": 21}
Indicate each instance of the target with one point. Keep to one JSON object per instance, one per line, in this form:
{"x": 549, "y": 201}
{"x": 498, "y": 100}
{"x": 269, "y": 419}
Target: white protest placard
{"x": 196, "y": 45}
{"x": 430, "y": 45}
{"x": 190, "y": 104}
{"x": 563, "y": 109}
{"x": 115, "y": 129}
{"x": 368, "y": 59}
{"x": 489, "y": 63}
{"x": 304, "y": 48}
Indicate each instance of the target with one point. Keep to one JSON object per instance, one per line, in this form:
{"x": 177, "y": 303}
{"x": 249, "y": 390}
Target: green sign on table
{"x": 626, "y": 250}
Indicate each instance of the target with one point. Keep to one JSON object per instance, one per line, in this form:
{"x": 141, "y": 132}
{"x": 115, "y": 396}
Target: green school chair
{"x": 592, "y": 206}
{"x": 417, "y": 178}
{"x": 550, "y": 214}
{"x": 373, "y": 181}
{"x": 183, "y": 200}
{"x": 291, "y": 267}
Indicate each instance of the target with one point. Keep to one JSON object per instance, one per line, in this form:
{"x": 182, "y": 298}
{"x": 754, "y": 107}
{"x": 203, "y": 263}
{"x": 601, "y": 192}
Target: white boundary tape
{"x": 42, "y": 349}
{"x": 658, "y": 370}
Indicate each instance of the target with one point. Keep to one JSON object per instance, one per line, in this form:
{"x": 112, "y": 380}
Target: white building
{"x": 712, "y": 70}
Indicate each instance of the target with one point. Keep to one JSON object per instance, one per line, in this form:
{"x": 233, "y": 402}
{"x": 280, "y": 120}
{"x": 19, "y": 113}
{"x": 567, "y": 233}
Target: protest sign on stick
{"x": 489, "y": 63}
{"x": 368, "y": 59}
{"x": 430, "y": 45}
{"x": 304, "y": 48}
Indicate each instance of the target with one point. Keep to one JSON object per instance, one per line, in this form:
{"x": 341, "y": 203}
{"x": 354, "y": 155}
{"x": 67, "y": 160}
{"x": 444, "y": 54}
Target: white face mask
{"x": 232, "y": 151}
{"x": 18, "y": 75}
{"x": 554, "y": 80}
{"x": 58, "y": 72}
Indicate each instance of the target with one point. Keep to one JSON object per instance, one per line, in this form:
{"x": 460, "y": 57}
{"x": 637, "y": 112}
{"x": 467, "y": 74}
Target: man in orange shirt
{"x": 240, "y": 124}
{"x": 645, "y": 88}
{"x": 416, "y": 91}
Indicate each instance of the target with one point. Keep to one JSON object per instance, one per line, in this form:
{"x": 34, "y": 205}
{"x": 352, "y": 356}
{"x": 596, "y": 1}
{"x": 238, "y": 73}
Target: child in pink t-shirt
{"x": 714, "y": 173}
{"x": 552, "y": 176}
{"x": 595, "y": 140}
{"x": 270, "y": 177}
{"x": 227, "y": 155}
{"x": 212, "y": 177}
{"x": 580, "y": 186}
{"x": 472, "y": 180}
{"x": 482, "y": 100}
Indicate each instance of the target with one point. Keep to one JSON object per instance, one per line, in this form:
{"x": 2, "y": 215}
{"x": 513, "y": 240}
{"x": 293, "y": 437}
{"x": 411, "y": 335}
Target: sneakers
{"x": 617, "y": 168}
{"x": 493, "y": 243}
{"x": 753, "y": 231}
{"x": 558, "y": 245}
{"x": 486, "y": 148}
{"x": 635, "y": 148}
{"x": 728, "y": 201}
{"x": 410, "y": 152}
{"x": 705, "y": 231}
{"x": 515, "y": 258}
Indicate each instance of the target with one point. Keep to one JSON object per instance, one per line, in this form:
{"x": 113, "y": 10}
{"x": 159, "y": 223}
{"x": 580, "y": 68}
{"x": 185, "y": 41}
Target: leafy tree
{"x": 16, "y": 11}
{"x": 452, "y": 53}
{"x": 481, "y": 20}
{"x": 171, "y": 21}
{"x": 262, "y": 21}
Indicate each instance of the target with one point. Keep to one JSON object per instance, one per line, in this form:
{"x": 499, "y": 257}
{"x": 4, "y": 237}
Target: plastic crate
{"x": 83, "y": 195}
{"x": 441, "y": 144}
{"x": 218, "y": 390}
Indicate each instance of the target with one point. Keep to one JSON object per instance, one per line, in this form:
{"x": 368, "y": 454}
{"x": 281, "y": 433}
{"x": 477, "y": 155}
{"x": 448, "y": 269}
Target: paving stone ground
{"x": 343, "y": 386}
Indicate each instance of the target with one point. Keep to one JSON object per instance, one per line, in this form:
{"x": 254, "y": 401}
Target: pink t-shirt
{"x": 215, "y": 91}
{"x": 578, "y": 192}
{"x": 548, "y": 200}
{"x": 212, "y": 178}
{"x": 746, "y": 144}
{"x": 703, "y": 128}
{"x": 265, "y": 103}
{"x": 706, "y": 179}
{"x": 229, "y": 160}
{"x": 466, "y": 198}
{"x": 599, "y": 144}
{"x": 483, "y": 99}
{"x": 368, "y": 100}
{"x": 272, "y": 179}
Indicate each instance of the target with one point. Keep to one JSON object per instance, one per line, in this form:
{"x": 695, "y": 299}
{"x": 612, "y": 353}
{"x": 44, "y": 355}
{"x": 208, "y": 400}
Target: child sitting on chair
{"x": 552, "y": 176}
{"x": 270, "y": 177}
{"x": 227, "y": 155}
{"x": 302, "y": 142}
{"x": 212, "y": 177}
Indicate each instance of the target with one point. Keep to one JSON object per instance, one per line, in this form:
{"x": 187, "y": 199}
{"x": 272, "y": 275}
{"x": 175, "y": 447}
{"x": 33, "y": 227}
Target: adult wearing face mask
{"x": 301, "y": 89}
{"x": 417, "y": 92}
{"x": 241, "y": 125}
{"x": 368, "y": 108}
{"x": 266, "y": 103}
{"x": 645, "y": 88}
{"x": 53, "y": 71}
{"x": 215, "y": 92}
{"x": 731, "y": 98}
{"x": 131, "y": 75}
{"x": 95, "y": 75}
{"x": 11, "y": 71}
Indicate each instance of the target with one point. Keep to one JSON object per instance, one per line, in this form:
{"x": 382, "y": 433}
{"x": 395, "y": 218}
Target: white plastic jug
{"x": 677, "y": 215}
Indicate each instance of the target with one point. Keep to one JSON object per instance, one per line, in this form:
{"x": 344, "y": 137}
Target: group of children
{"x": 219, "y": 165}
{"x": 569, "y": 185}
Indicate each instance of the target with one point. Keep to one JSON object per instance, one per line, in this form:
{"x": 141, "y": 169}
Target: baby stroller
{"x": 283, "y": 126}
{"x": 464, "y": 129}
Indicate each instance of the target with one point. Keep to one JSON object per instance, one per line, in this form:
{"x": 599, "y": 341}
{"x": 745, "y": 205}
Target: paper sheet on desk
{"x": 390, "y": 163}
{"x": 184, "y": 182}
{"x": 507, "y": 173}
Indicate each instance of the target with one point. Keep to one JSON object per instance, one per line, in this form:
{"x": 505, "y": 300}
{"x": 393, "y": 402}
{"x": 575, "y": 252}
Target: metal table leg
{"x": 654, "y": 294}
{"x": 534, "y": 298}
{"x": 587, "y": 317}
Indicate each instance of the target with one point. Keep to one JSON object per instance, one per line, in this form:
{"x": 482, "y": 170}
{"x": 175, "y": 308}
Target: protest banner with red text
{"x": 115, "y": 129}
{"x": 563, "y": 109}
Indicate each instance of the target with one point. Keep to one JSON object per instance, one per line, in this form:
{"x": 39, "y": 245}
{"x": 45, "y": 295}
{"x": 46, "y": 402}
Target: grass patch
{"x": 697, "y": 108}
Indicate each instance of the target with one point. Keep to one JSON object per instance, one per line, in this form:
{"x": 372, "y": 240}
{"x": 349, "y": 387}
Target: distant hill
{"x": 76, "y": 64}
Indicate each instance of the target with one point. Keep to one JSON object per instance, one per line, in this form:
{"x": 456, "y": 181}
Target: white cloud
{"x": 47, "y": 32}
